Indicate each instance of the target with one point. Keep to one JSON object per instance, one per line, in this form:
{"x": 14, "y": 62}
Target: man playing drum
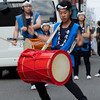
{"x": 25, "y": 22}
{"x": 63, "y": 39}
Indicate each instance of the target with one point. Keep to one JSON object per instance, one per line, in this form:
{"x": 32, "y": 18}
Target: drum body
{"x": 53, "y": 67}
{"x": 35, "y": 44}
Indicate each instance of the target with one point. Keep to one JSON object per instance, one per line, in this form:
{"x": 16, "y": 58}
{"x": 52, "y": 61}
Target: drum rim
{"x": 50, "y": 71}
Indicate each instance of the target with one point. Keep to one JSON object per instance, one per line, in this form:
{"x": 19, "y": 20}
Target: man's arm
{"x": 16, "y": 31}
{"x": 15, "y": 34}
{"x": 42, "y": 37}
{"x": 79, "y": 39}
{"x": 38, "y": 23}
{"x": 31, "y": 28}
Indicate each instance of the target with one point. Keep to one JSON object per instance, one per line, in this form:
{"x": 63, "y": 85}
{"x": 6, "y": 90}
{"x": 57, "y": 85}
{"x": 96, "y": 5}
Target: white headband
{"x": 61, "y": 7}
{"x": 45, "y": 24}
{"x": 25, "y": 3}
{"x": 81, "y": 13}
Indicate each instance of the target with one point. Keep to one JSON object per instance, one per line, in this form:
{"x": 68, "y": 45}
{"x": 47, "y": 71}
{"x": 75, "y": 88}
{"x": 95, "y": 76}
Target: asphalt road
{"x": 12, "y": 88}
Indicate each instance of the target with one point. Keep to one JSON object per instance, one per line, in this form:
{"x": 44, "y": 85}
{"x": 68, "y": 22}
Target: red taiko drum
{"x": 53, "y": 67}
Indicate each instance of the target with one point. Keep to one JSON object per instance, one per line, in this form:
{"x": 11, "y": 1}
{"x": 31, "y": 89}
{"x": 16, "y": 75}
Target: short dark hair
{"x": 98, "y": 23}
{"x": 65, "y": 3}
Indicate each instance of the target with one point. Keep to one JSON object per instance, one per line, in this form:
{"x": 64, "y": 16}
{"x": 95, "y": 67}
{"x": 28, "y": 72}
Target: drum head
{"x": 27, "y": 44}
{"x": 61, "y": 67}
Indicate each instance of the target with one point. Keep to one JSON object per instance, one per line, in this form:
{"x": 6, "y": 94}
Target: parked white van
{"x": 9, "y": 54}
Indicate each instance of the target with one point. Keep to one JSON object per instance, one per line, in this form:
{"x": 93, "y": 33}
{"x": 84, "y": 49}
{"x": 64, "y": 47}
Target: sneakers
{"x": 34, "y": 88}
{"x": 46, "y": 85}
{"x": 97, "y": 75}
{"x": 88, "y": 77}
{"x": 76, "y": 78}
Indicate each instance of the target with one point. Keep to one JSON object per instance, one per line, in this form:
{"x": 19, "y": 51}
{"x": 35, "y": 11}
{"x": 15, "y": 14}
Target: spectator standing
{"x": 84, "y": 49}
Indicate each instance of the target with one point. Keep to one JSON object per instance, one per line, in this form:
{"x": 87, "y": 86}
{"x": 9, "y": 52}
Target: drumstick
{"x": 5, "y": 39}
{"x": 36, "y": 43}
{"x": 8, "y": 39}
{"x": 85, "y": 26}
{"x": 49, "y": 40}
{"x": 51, "y": 29}
{"x": 72, "y": 47}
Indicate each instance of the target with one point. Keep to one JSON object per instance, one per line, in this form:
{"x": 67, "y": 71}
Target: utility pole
{"x": 79, "y": 5}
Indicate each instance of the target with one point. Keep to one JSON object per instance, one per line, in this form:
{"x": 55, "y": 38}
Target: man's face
{"x": 46, "y": 28}
{"x": 27, "y": 8}
{"x": 81, "y": 17}
{"x": 64, "y": 14}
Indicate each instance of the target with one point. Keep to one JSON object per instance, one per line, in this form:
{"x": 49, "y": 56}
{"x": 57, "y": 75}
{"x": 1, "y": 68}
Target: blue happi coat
{"x": 71, "y": 38}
